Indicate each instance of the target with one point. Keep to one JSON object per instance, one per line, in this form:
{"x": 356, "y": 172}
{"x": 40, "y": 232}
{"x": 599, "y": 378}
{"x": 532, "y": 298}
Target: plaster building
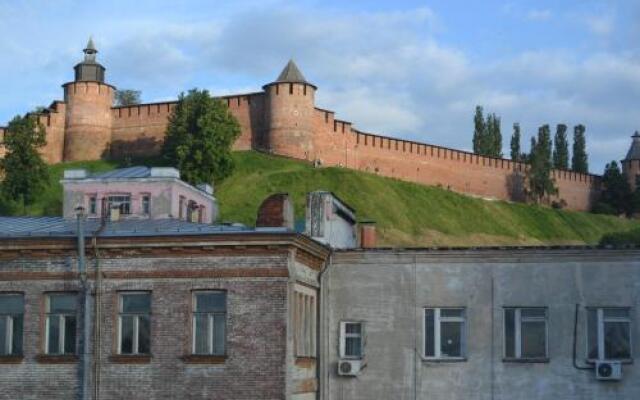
{"x": 282, "y": 118}
{"x": 499, "y": 324}
{"x": 137, "y": 192}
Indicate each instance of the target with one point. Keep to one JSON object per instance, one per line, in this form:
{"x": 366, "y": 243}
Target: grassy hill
{"x": 407, "y": 214}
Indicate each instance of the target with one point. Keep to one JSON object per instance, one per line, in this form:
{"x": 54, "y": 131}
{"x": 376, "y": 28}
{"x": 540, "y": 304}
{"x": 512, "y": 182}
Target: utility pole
{"x": 85, "y": 361}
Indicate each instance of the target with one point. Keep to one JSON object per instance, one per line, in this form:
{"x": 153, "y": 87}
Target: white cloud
{"x": 387, "y": 72}
{"x": 600, "y": 25}
{"x": 539, "y": 15}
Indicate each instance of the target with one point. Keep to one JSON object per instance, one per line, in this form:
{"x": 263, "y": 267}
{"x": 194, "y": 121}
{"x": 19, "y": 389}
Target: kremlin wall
{"x": 283, "y": 119}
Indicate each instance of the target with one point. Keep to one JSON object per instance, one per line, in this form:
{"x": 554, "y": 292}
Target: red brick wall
{"x": 139, "y": 130}
{"x": 284, "y": 120}
{"x": 88, "y": 120}
{"x": 336, "y": 143}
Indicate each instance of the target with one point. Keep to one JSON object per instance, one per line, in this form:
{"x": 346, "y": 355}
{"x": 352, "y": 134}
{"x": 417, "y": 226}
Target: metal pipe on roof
{"x": 85, "y": 363}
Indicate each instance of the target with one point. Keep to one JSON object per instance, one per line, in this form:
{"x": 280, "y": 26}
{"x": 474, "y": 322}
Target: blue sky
{"x": 412, "y": 69}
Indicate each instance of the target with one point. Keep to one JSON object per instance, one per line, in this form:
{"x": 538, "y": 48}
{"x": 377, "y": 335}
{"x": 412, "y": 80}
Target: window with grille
{"x": 122, "y": 202}
{"x": 305, "y": 322}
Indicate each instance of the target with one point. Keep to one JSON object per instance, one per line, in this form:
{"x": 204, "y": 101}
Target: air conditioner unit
{"x": 349, "y": 367}
{"x": 608, "y": 370}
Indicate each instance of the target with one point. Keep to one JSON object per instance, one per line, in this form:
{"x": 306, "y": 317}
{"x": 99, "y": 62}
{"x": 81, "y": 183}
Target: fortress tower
{"x": 289, "y": 111}
{"x": 631, "y": 163}
{"x": 88, "y": 110}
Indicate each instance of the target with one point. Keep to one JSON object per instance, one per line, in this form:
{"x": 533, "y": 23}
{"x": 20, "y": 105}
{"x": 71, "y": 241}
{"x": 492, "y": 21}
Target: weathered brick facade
{"x": 257, "y": 273}
{"x": 283, "y": 119}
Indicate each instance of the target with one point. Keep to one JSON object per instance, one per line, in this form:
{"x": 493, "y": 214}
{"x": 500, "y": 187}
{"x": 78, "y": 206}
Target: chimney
{"x": 276, "y": 211}
{"x": 368, "y": 234}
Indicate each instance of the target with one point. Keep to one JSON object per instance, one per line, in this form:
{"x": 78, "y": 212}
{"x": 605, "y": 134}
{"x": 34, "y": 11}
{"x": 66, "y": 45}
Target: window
{"x": 146, "y": 204}
{"x": 11, "y": 317}
{"x": 181, "y": 206}
{"x": 608, "y": 333}
{"x": 60, "y": 327}
{"x": 134, "y": 332}
{"x": 93, "y": 206}
{"x": 525, "y": 333}
{"x": 209, "y": 323}
{"x": 122, "y": 202}
{"x": 444, "y": 333}
{"x": 304, "y": 322}
{"x": 192, "y": 211}
{"x": 351, "y": 340}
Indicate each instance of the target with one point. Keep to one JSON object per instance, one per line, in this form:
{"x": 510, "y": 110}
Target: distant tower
{"x": 289, "y": 114}
{"x": 88, "y": 111}
{"x": 631, "y": 163}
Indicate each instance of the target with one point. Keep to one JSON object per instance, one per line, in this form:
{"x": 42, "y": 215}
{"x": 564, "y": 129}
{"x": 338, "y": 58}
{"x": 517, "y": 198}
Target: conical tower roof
{"x": 634, "y": 150}
{"x": 291, "y": 73}
{"x": 91, "y": 47}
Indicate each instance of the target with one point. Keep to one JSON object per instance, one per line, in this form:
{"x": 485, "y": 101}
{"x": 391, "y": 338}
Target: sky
{"x": 408, "y": 69}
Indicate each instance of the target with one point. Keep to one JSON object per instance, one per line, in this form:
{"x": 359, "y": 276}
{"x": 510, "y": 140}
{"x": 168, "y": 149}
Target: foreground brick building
{"x": 151, "y": 336}
{"x": 283, "y": 119}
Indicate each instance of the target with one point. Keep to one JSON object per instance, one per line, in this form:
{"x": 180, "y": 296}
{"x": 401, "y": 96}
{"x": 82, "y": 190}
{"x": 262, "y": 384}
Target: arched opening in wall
{"x": 291, "y": 88}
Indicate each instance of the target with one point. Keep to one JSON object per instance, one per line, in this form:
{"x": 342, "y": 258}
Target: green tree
{"x": 561, "y": 148}
{"x": 487, "y": 138}
{"x": 516, "y": 153}
{"x": 616, "y": 195}
{"x": 579, "y": 161}
{"x": 493, "y": 137}
{"x": 199, "y": 137}
{"x": 479, "y": 131}
{"x": 126, "y": 97}
{"x": 25, "y": 173}
{"x": 540, "y": 182}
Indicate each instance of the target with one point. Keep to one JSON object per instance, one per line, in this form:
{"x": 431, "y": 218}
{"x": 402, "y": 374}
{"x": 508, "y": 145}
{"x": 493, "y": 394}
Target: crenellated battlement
{"x": 283, "y": 119}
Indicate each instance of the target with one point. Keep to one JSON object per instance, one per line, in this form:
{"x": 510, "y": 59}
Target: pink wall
{"x": 165, "y": 196}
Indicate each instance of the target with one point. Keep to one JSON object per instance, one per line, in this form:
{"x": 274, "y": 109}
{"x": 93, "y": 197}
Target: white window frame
{"x": 343, "y": 339}
{"x": 61, "y": 325}
{"x": 135, "y": 345}
{"x": 600, "y": 321}
{"x": 437, "y": 320}
{"x": 518, "y": 320}
{"x": 8, "y": 344}
{"x": 10, "y": 319}
{"x": 211, "y": 322}
{"x": 111, "y": 202}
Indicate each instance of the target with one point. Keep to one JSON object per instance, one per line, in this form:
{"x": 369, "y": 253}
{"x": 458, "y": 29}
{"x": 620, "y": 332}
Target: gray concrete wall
{"x": 388, "y": 291}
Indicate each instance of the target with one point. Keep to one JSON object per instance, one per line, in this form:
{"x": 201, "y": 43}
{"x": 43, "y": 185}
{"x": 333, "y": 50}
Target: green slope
{"x": 407, "y": 214}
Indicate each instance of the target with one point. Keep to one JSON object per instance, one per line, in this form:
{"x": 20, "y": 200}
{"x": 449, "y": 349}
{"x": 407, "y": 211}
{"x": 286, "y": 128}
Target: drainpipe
{"x": 323, "y": 334}
{"x": 85, "y": 361}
